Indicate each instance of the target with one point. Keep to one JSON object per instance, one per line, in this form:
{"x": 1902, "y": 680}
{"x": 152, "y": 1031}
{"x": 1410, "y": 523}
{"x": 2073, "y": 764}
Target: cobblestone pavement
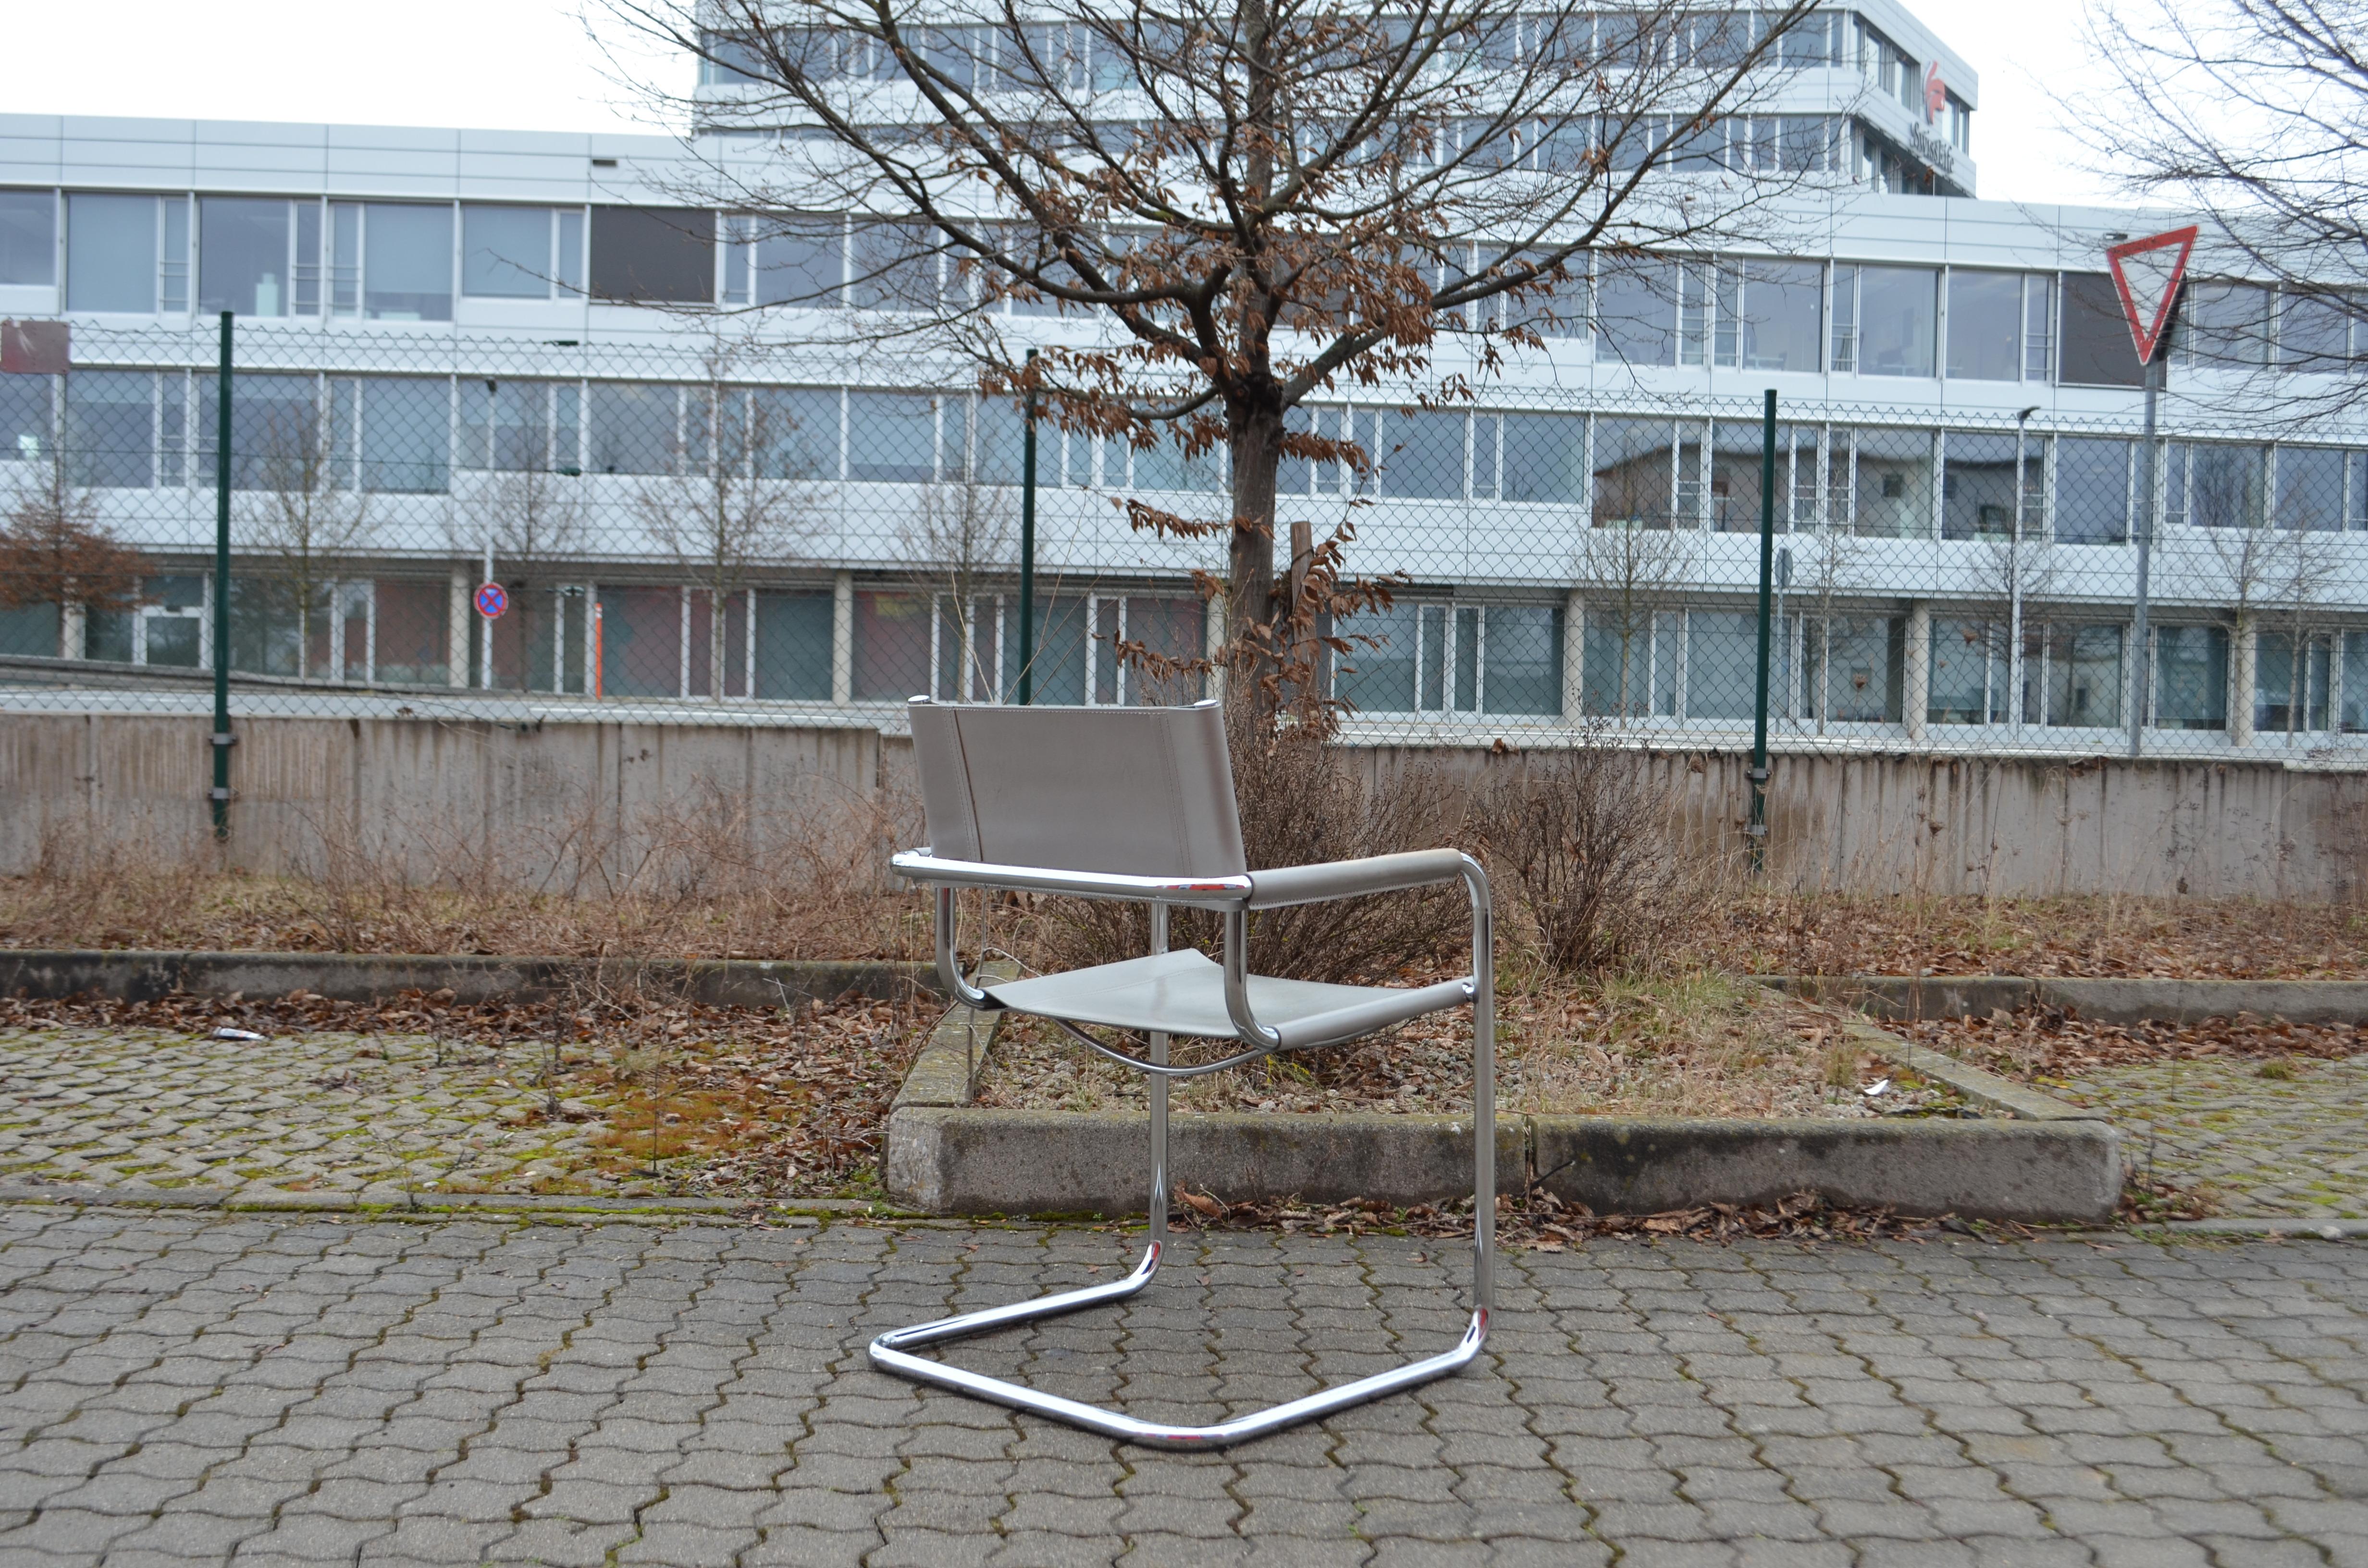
{"x": 190, "y": 1388}
{"x": 375, "y": 1115}
{"x": 2292, "y": 1145}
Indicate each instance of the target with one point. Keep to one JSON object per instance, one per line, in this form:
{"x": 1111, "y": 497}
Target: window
{"x": 2097, "y": 350}
{"x": 407, "y": 262}
{"x": 169, "y": 628}
{"x": 1736, "y": 450}
{"x": 24, "y": 417}
{"x": 515, "y": 253}
{"x": 641, "y": 642}
{"x": 794, "y": 647}
{"x": 110, "y": 431}
{"x": 1631, "y": 663}
{"x": 1986, "y": 325}
{"x": 246, "y": 255}
{"x": 2081, "y": 676}
{"x": 2191, "y": 678}
{"x": 892, "y": 437}
{"x": 120, "y": 255}
{"x": 1968, "y": 677}
{"x": 634, "y": 427}
{"x": 2290, "y": 685}
{"x": 793, "y": 432}
{"x": 2214, "y": 486}
{"x": 1895, "y": 312}
{"x": 515, "y": 427}
{"x": 2093, "y": 490}
{"x": 1435, "y": 658}
{"x": 275, "y": 426}
{"x": 2311, "y": 489}
{"x": 654, "y": 255}
{"x": 894, "y": 267}
{"x": 1850, "y": 669}
{"x": 405, "y": 434}
{"x": 800, "y": 266}
{"x": 29, "y": 236}
{"x": 1881, "y": 482}
{"x": 1778, "y": 310}
{"x": 2355, "y": 683}
{"x": 2222, "y": 323}
{"x": 1978, "y": 486}
{"x": 1545, "y": 458}
{"x": 1164, "y": 466}
{"x": 2315, "y": 331}
{"x": 1422, "y": 455}
{"x": 1722, "y": 674}
{"x": 1635, "y": 465}
{"x": 1636, "y": 312}
{"x": 1058, "y": 650}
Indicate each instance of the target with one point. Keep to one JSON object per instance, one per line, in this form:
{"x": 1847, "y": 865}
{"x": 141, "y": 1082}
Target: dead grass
{"x": 1762, "y": 932}
{"x": 1695, "y": 1044}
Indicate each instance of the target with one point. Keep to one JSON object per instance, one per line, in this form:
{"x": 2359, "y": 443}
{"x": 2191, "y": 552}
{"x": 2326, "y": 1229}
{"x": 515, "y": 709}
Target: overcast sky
{"x": 528, "y": 65}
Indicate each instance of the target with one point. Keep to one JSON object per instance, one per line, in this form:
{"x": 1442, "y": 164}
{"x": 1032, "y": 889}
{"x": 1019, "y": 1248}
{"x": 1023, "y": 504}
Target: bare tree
{"x": 2252, "y": 114}
{"x": 1250, "y": 201}
{"x": 958, "y": 546}
{"x": 55, "y": 550}
{"x": 741, "y": 497}
{"x": 1828, "y": 564}
{"x": 1630, "y": 566}
{"x": 305, "y": 518}
{"x": 537, "y": 516}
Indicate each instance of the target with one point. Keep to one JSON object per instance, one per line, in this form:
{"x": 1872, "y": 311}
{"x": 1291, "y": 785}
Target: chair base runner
{"x": 890, "y": 1353}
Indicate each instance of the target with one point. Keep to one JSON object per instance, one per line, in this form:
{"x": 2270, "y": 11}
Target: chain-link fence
{"x": 679, "y": 533}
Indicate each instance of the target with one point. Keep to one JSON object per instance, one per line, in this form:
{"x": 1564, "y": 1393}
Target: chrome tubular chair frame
{"x": 1236, "y": 897}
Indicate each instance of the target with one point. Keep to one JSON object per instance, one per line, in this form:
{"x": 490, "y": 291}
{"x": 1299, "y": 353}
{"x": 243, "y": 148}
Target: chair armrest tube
{"x": 1347, "y": 1023}
{"x": 1214, "y": 893}
{"x": 1352, "y": 878}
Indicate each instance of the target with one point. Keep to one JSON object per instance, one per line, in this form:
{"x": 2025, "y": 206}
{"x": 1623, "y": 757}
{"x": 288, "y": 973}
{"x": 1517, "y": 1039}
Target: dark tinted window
{"x": 2097, "y": 348}
{"x": 663, "y": 254}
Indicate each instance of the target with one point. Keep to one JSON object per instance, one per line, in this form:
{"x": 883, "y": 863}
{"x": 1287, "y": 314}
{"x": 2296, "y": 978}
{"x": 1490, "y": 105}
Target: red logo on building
{"x": 1936, "y": 92}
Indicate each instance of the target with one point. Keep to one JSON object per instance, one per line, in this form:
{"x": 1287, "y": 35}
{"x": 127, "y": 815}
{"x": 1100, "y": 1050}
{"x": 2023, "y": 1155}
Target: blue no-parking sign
{"x": 492, "y": 600}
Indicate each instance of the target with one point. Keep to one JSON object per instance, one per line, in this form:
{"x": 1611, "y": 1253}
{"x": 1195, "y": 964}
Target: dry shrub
{"x": 703, "y": 875}
{"x": 1582, "y": 840}
{"x": 1304, "y": 802}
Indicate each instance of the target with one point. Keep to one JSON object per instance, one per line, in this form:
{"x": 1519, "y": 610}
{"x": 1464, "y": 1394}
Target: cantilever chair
{"x": 1137, "y": 804}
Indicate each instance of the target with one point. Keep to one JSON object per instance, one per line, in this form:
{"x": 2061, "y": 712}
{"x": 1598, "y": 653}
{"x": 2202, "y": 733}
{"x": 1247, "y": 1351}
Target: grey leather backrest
{"x": 1139, "y": 792}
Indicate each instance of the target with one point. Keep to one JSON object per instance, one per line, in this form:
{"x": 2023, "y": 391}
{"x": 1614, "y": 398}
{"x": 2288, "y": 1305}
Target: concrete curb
{"x": 448, "y": 1205}
{"x": 2248, "y": 1225}
{"x": 371, "y": 977}
{"x": 2031, "y": 1171}
{"x": 951, "y": 1160}
{"x": 1896, "y": 998}
{"x": 2053, "y": 1163}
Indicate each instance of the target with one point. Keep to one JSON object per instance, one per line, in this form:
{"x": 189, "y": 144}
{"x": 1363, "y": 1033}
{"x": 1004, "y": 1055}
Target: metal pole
{"x": 486, "y": 623}
{"x": 1028, "y": 549}
{"x": 2016, "y": 672}
{"x": 1157, "y": 1213}
{"x": 223, "y": 739}
{"x": 2141, "y": 667}
{"x": 1758, "y": 830}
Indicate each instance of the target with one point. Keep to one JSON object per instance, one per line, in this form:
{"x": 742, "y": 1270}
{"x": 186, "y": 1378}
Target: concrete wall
{"x": 579, "y": 806}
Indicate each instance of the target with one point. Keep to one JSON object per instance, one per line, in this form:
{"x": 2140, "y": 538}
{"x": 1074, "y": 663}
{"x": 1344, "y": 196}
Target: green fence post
{"x": 223, "y": 739}
{"x": 1758, "y": 830}
{"x": 1028, "y": 549}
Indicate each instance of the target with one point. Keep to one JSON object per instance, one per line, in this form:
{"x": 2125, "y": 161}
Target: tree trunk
{"x": 1256, "y": 435}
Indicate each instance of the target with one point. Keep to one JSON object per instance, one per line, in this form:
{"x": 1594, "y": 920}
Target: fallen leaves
{"x": 1543, "y": 1222}
{"x": 2037, "y": 1042}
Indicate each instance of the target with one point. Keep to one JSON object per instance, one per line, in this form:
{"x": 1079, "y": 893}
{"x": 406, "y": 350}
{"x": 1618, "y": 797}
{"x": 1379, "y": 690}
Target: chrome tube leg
{"x": 1156, "y": 1230}
{"x": 1484, "y": 1090}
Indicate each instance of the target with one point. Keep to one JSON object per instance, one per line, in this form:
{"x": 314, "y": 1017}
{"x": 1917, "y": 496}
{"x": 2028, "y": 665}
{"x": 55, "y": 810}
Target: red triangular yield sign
{"x": 2146, "y": 272}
